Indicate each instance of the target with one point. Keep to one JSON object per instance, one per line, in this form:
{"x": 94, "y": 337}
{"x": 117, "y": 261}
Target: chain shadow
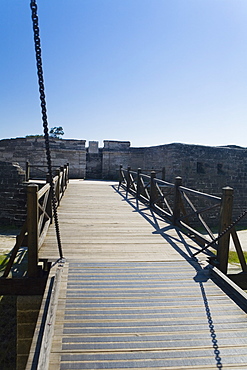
{"x": 201, "y": 277}
{"x": 202, "y": 274}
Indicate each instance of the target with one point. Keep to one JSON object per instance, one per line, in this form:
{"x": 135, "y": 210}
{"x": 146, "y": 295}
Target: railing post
{"x": 225, "y": 221}
{"x": 128, "y": 178}
{"x": 32, "y": 229}
{"x": 62, "y": 179}
{"x": 57, "y": 191}
{"x": 152, "y": 188}
{"x": 138, "y": 188}
{"x": 27, "y": 171}
{"x": 163, "y": 173}
{"x": 177, "y": 201}
{"x": 49, "y": 201}
{"x": 67, "y": 174}
{"x": 120, "y": 176}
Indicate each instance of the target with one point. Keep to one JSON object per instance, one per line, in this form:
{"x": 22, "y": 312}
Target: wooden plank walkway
{"x": 97, "y": 224}
{"x": 130, "y": 295}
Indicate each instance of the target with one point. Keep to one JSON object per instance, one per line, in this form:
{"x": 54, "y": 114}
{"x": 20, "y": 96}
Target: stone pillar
{"x": 115, "y": 153}
{"x": 93, "y": 147}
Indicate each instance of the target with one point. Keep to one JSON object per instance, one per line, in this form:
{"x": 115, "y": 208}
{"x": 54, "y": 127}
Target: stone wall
{"x": 207, "y": 169}
{"x": 115, "y": 153}
{"x": 94, "y": 161}
{"x": 27, "y": 313}
{"x": 103, "y": 163}
{"x": 203, "y": 168}
{"x": 94, "y": 165}
{"x": 12, "y": 194}
{"x": 32, "y": 150}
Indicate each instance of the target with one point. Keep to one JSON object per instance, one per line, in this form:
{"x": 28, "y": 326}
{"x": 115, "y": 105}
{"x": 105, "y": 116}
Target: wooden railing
{"x": 39, "y": 218}
{"x": 184, "y": 207}
{"x": 42, "y": 170}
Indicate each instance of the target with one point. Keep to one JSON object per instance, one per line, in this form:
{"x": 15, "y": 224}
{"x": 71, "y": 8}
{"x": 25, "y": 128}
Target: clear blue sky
{"x": 148, "y": 71}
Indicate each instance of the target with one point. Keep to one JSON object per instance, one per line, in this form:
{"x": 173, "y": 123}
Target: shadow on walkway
{"x": 162, "y": 227}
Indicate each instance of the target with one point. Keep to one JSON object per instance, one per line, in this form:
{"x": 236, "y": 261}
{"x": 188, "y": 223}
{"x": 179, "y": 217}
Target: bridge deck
{"x": 97, "y": 224}
{"x": 130, "y": 296}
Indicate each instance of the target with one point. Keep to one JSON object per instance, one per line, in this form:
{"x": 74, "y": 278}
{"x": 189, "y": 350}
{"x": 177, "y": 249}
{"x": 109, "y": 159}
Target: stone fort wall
{"x": 32, "y": 150}
{"x": 204, "y": 168}
{"x": 13, "y": 197}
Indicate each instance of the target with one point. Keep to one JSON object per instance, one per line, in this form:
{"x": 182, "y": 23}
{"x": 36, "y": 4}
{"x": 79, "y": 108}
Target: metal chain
{"x": 227, "y": 229}
{"x": 37, "y": 45}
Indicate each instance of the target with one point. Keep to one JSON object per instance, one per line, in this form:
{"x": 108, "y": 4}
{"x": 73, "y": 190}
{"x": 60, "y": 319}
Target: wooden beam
{"x": 228, "y": 286}
{"x": 32, "y": 229}
{"x": 225, "y": 221}
{"x": 177, "y": 201}
{"x": 23, "y": 286}
{"x": 239, "y": 279}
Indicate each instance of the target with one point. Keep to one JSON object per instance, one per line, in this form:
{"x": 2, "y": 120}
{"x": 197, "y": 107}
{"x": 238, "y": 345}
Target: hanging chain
{"x": 227, "y": 229}
{"x": 37, "y": 45}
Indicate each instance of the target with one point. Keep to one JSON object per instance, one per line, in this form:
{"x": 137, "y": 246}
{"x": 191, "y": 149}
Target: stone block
{"x": 21, "y": 362}
{"x": 93, "y": 147}
{"x": 27, "y": 302}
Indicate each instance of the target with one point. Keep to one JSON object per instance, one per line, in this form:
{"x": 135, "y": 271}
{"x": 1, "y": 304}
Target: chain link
{"x": 37, "y": 45}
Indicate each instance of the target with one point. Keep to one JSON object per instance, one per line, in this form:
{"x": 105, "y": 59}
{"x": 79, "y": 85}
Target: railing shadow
{"x": 19, "y": 267}
{"x": 187, "y": 208}
{"x": 202, "y": 274}
{"x": 162, "y": 227}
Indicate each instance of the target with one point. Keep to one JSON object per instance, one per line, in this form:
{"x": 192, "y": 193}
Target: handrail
{"x": 196, "y": 192}
{"x": 43, "y": 190}
{"x": 174, "y": 202}
{"x": 41, "y": 168}
{"x": 164, "y": 183}
{"x": 39, "y": 218}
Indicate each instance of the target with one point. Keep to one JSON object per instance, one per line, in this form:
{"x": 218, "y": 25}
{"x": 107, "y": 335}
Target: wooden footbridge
{"x": 129, "y": 293}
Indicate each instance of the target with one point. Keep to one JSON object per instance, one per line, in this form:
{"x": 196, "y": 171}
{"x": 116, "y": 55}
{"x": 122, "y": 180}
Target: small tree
{"x": 56, "y": 132}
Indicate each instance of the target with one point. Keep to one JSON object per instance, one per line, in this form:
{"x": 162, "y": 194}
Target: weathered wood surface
{"x": 131, "y": 297}
{"x": 99, "y": 224}
{"x": 146, "y": 315}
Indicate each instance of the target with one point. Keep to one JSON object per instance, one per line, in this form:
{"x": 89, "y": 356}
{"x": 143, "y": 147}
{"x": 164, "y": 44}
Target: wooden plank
{"x": 162, "y": 323}
{"x": 119, "y": 232}
{"x": 32, "y": 230}
{"x": 47, "y": 315}
{"x": 45, "y": 347}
